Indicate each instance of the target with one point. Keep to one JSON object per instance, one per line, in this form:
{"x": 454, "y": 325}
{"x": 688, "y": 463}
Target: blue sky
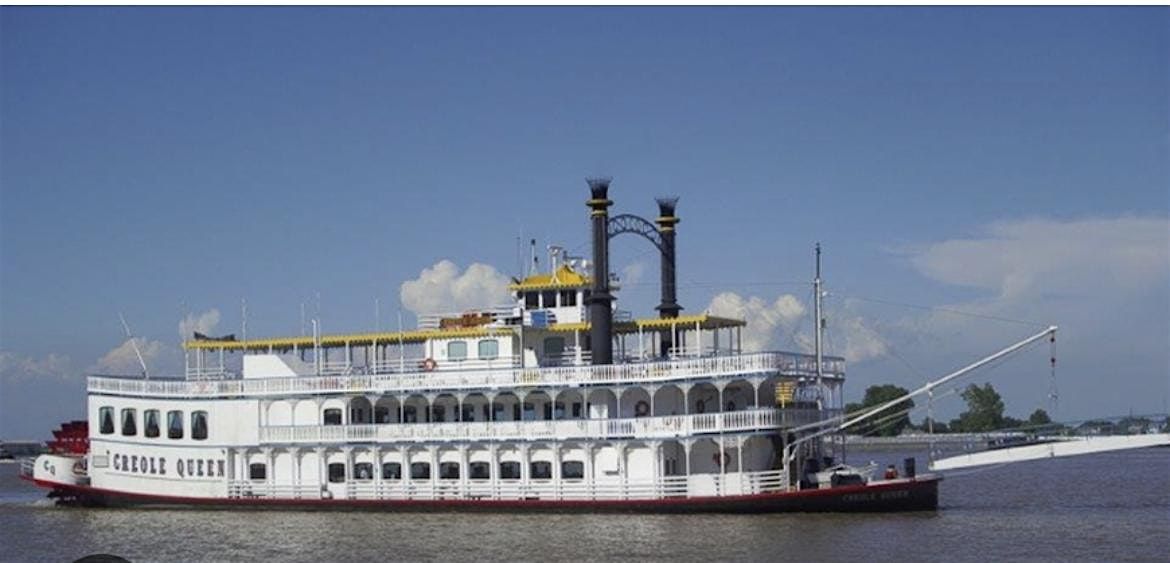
{"x": 1008, "y": 162}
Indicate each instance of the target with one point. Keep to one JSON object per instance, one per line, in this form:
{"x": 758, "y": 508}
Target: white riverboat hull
{"x": 895, "y": 495}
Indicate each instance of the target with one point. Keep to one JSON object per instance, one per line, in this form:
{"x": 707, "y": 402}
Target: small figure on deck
{"x": 891, "y": 472}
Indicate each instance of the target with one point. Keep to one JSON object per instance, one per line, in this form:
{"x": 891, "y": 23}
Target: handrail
{"x": 672, "y": 426}
{"x": 679, "y": 486}
{"x": 796, "y": 365}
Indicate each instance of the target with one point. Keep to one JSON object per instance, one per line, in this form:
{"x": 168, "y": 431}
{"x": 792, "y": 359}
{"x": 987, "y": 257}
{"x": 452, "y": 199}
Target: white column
{"x": 556, "y": 468}
{"x": 434, "y": 451}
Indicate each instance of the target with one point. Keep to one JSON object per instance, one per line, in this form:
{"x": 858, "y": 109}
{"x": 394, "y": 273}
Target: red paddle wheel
{"x": 71, "y": 438}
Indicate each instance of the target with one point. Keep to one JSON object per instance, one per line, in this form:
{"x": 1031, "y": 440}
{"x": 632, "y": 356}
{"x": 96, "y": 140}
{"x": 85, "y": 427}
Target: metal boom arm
{"x": 924, "y": 389}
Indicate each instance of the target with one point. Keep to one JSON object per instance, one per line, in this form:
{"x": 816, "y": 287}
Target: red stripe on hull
{"x": 897, "y": 496}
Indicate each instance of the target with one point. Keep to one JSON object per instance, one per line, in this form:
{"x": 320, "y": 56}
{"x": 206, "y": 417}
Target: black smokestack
{"x": 600, "y": 301}
{"x": 668, "y": 308}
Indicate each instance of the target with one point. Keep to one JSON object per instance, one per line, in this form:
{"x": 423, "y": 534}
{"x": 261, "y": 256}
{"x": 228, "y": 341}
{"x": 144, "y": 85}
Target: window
{"x": 531, "y": 300}
{"x": 199, "y": 425}
{"x": 106, "y": 420}
{"x": 449, "y": 470}
{"x": 336, "y": 472}
{"x": 456, "y": 350}
{"x": 479, "y": 470}
{"x": 363, "y": 471}
{"x": 175, "y": 425}
{"x": 129, "y": 422}
{"x": 489, "y": 349}
{"x": 550, "y": 299}
{"x": 150, "y": 423}
{"x": 332, "y": 417}
{"x": 257, "y": 471}
{"x": 420, "y": 470}
{"x": 568, "y": 298}
{"x": 381, "y": 415}
{"x": 541, "y": 470}
{"x": 554, "y": 347}
{"x": 392, "y": 471}
{"x": 572, "y": 470}
{"x": 510, "y": 470}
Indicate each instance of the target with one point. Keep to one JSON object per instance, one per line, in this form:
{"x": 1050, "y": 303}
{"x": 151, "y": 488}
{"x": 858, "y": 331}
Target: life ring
{"x": 726, "y": 458}
{"x": 429, "y": 364}
{"x": 642, "y": 408}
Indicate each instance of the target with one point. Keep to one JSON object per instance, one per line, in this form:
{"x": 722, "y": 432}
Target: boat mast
{"x": 819, "y": 329}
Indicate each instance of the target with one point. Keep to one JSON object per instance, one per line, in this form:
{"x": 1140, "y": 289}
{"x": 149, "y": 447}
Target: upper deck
{"x": 720, "y": 366}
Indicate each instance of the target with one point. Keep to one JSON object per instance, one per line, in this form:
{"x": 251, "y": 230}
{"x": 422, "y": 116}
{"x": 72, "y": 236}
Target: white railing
{"x": 796, "y": 365}
{"x": 536, "y": 489}
{"x": 592, "y": 429}
{"x": 27, "y": 466}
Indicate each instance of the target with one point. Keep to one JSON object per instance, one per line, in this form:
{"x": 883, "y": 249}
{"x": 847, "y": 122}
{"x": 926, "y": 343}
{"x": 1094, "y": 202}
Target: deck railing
{"x": 27, "y": 467}
{"x": 592, "y": 429}
{"x": 796, "y": 365}
{"x": 536, "y": 489}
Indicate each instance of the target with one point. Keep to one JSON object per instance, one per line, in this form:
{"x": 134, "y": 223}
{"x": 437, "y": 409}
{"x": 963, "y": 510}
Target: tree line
{"x": 985, "y": 413}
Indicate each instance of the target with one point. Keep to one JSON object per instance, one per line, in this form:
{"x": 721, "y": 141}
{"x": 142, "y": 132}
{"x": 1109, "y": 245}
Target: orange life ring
{"x": 429, "y": 364}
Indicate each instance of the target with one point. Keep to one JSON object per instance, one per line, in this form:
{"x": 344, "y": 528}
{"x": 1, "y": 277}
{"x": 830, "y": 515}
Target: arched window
{"x": 510, "y": 470}
{"x": 175, "y": 425}
{"x": 106, "y": 420}
{"x": 363, "y": 471}
{"x": 449, "y": 470}
{"x": 489, "y": 349}
{"x": 479, "y": 470}
{"x": 572, "y": 469}
{"x": 420, "y": 470}
{"x": 391, "y": 471}
{"x": 456, "y": 350}
{"x": 129, "y": 422}
{"x": 336, "y": 472}
{"x": 554, "y": 347}
{"x": 332, "y": 417}
{"x": 150, "y": 423}
{"x": 199, "y": 425}
{"x": 257, "y": 471}
{"x": 541, "y": 470}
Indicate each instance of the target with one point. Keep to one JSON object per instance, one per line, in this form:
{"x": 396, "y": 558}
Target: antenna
{"x": 535, "y": 260}
{"x": 134, "y": 344}
{"x": 243, "y": 319}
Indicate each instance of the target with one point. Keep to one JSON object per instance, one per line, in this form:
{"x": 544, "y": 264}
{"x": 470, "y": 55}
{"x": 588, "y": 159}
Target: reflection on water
{"x": 1108, "y": 506}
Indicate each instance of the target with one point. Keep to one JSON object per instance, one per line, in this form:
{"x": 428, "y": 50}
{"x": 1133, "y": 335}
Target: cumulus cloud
{"x": 204, "y": 323}
{"x": 767, "y": 322}
{"x": 15, "y": 367}
{"x": 123, "y": 361}
{"x": 443, "y": 288}
{"x": 1020, "y": 259}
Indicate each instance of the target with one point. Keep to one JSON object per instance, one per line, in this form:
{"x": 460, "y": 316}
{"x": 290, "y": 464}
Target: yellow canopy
{"x": 705, "y": 322}
{"x": 563, "y": 278}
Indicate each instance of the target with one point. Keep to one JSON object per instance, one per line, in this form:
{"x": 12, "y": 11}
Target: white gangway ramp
{"x": 1063, "y": 447}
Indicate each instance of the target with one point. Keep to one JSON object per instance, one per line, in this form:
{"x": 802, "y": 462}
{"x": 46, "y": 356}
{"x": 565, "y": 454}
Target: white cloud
{"x": 633, "y": 273}
{"x": 765, "y": 321}
{"x": 204, "y": 323}
{"x": 123, "y": 361}
{"x": 443, "y": 288}
{"x": 15, "y": 367}
{"x": 1020, "y": 259}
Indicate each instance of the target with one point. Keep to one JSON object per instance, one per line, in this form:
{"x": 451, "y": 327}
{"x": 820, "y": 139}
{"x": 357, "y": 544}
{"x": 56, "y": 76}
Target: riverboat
{"x": 556, "y": 401}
